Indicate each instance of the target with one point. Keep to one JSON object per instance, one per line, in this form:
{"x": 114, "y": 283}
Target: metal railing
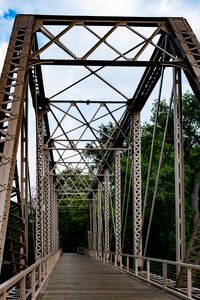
{"x": 28, "y": 283}
{"x": 161, "y": 273}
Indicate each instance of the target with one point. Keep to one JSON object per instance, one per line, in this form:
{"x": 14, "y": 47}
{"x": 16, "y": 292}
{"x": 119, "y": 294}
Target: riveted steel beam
{"x": 137, "y": 194}
{"x": 117, "y": 202}
{"x": 12, "y": 95}
{"x": 107, "y": 211}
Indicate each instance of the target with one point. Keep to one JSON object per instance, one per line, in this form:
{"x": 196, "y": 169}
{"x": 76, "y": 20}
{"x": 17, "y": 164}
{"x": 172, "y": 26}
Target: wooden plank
{"x": 82, "y": 277}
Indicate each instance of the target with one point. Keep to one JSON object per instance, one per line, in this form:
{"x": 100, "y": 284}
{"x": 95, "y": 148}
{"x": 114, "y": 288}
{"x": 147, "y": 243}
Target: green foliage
{"x": 73, "y": 226}
{"x": 104, "y": 134}
{"x": 163, "y": 225}
{"x": 73, "y": 210}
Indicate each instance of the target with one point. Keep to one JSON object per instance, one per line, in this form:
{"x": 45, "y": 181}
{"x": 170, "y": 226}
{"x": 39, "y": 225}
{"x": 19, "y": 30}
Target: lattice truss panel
{"x": 84, "y": 72}
{"x": 77, "y": 107}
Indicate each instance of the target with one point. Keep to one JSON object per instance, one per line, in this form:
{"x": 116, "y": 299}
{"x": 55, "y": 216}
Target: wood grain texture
{"x": 82, "y": 277}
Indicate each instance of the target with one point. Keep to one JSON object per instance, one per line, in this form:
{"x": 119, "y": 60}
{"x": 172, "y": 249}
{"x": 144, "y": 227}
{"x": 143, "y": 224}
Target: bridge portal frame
{"x": 23, "y": 64}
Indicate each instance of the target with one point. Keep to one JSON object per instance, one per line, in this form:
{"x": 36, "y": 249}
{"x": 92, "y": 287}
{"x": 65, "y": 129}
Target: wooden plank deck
{"x": 82, "y": 277}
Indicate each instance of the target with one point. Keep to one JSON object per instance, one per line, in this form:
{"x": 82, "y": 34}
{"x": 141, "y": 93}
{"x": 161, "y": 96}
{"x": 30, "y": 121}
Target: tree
{"x": 191, "y": 130}
{"x": 73, "y": 210}
{"x": 162, "y": 231}
{"x": 162, "y": 234}
{"x": 164, "y": 208}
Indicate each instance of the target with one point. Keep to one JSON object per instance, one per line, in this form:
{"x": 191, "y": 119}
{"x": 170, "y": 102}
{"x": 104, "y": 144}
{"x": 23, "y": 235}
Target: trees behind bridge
{"x": 162, "y": 235}
{"x": 73, "y": 225}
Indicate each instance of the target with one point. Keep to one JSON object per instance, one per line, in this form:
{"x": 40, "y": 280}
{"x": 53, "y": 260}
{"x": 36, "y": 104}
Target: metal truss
{"x": 17, "y": 228}
{"x": 12, "y": 95}
{"x": 188, "y": 47}
{"x": 137, "y": 197}
{"x": 46, "y": 204}
{"x": 117, "y": 202}
{"x": 55, "y": 229}
{"x": 40, "y": 189}
{"x": 90, "y": 231}
{"x": 179, "y": 169}
{"x": 94, "y": 226}
{"x": 16, "y": 242}
{"x": 24, "y": 169}
{"x": 99, "y": 218}
{"x": 192, "y": 256}
{"x": 75, "y": 154}
{"x": 107, "y": 211}
{"x": 52, "y": 215}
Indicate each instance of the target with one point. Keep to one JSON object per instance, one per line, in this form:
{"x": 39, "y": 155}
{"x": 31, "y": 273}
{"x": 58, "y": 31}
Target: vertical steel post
{"x": 137, "y": 201}
{"x": 56, "y": 215}
{"x": 99, "y": 219}
{"x": 90, "y": 231}
{"x": 117, "y": 205}
{"x": 89, "y": 240}
{"x": 51, "y": 212}
{"x": 12, "y": 94}
{"x": 24, "y": 175}
{"x": 106, "y": 211}
{"x": 94, "y": 227}
{"x": 46, "y": 200}
{"x": 179, "y": 168}
{"x": 39, "y": 186}
{"x": 54, "y": 233}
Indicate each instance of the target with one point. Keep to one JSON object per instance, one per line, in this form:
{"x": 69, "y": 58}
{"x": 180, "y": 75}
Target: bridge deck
{"x": 82, "y": 277}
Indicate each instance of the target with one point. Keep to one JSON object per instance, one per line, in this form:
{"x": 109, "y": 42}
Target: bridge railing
{"x": 28, "y": 283}
{"x": 161, "y": 273}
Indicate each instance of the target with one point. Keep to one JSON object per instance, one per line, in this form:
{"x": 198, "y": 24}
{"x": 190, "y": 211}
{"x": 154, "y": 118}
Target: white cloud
{"x": 109, "y": 7}
{"x": 3, "y": 48}
{"x": 167, "y": 6}
{"x": 1, "y": 7}
{"x": 174, "y": 8}
{"x": 86, "y": 7}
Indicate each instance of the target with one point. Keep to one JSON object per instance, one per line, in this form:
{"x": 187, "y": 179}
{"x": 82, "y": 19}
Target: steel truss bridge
{"x": 63, "y": 77}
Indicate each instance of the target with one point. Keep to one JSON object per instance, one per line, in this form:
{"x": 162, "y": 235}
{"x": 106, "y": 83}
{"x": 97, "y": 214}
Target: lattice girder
{"x": 12, "y": 95}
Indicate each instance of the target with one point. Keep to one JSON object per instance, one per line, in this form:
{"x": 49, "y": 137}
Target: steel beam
{"x": 179, "y": 168}
{"x": 107, "y": 211}
{"x": 90, "y": 246}
{"x": 12, "y": 95}
{"x": 137, "y": 196}
{"x": 117, "y": 203}
{"x": 105, "y": 63}
{"x": 98, "y": 20}
{"x": 15, "y": 235}
{"x": 51, "y": 233}
{"x": 40, "y": 189}
{"x": 99, "y": 210}
{"x": 46, "y": 203}
{"x": 56, "y": 216}
{"x": 94, "y": 226}
{"x": 187, "y": 46}
{"x": 24, "y": 173}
